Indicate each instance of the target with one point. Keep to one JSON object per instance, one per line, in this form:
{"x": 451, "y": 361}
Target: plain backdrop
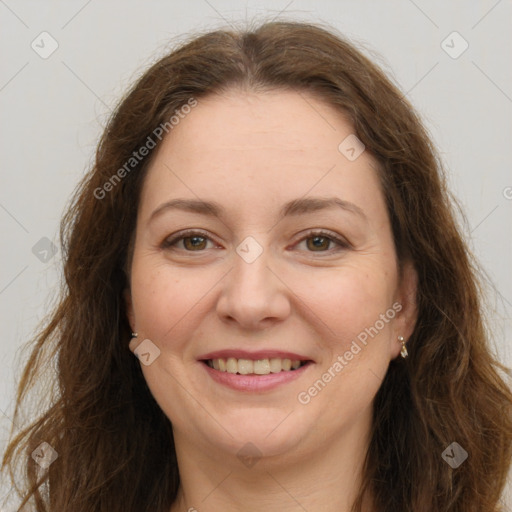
{"x": 451, "y": 59}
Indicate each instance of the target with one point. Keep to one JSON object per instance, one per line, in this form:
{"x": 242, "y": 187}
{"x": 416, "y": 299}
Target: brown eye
{"x": 318, "y": 243}
{"x": 188, "y": 241}
{"x": 324, "y": 242}
{"x": 193, "y": 243}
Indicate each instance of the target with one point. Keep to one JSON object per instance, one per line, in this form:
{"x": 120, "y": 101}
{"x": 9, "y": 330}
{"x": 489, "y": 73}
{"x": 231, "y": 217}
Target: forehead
{"x": 275, "y": 121}
{"x": 259, "y": 149}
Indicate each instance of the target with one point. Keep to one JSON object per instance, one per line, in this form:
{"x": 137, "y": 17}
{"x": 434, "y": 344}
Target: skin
{"x": 252, "y": 153}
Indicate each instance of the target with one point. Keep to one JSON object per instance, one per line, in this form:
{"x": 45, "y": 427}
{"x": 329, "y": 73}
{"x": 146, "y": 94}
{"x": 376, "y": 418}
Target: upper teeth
{"x": 259, "y": 366}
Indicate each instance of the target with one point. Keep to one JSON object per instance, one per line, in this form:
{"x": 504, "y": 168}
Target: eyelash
{"x": 342, "y": 244}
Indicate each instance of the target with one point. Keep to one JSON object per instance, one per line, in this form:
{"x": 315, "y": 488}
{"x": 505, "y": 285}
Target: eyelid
{"x": 342, "y": 242}
{"x": 186, "y": 233}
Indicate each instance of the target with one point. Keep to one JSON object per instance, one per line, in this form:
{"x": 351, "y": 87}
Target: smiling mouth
{"x": 255, "y": 367}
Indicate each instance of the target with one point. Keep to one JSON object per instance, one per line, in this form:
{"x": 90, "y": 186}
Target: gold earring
{"x": 403, "y": 351}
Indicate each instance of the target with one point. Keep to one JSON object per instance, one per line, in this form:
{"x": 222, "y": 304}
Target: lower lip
{"x": 255, "y": 382}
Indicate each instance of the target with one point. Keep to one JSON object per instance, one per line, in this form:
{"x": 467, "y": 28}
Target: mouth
{"x": 256, "y": 371}
{"x": 263, "y": 366}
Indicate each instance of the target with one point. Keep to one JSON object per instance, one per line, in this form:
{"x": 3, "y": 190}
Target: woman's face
{"x": 294, "y": 261}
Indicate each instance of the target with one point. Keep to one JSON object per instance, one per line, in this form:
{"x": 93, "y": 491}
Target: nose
{"x": 253, "y": 296}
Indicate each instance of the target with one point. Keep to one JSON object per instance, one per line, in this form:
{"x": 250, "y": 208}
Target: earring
{"x": 134, "y": 334}
{"x": 403, "y": 351}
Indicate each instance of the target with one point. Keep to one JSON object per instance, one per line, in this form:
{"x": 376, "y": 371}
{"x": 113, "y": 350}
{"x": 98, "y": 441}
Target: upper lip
{"x": 259, "y": 354}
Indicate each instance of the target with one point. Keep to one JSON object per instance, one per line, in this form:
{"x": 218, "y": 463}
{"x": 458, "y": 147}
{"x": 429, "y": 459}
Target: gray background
{"x": 53, "y": 110}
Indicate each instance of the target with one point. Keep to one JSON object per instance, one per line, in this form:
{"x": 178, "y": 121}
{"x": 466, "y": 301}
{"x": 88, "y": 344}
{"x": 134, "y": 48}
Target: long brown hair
{"x": 115, "y": 446}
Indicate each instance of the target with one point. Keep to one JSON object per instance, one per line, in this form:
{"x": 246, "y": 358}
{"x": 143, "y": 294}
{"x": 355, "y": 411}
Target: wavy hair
{"x": 115, "y": 445}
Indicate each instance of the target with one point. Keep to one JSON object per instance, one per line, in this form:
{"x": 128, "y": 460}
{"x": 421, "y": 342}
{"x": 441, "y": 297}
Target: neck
{"x": 325, "y": 479}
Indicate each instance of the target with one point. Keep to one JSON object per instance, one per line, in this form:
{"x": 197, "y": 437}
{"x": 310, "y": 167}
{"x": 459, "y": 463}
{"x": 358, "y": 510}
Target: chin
{"x": 265, "y": 432}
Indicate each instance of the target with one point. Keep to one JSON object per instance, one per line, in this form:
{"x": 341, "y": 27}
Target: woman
{"x": 268, "y": 302}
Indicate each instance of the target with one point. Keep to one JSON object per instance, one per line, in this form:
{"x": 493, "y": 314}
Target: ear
{"x": 405, "y": 320}
{"x": 130, "y": 315}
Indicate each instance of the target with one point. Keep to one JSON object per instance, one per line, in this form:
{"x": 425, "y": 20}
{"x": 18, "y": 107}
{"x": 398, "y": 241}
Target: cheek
{"x": 348, "y": 300}
{"x": 163, "y": 297}
{"x": 335, "y": 304}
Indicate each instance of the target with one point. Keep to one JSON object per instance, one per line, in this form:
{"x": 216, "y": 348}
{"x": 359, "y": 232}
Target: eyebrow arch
{"x": 298, "y": 206}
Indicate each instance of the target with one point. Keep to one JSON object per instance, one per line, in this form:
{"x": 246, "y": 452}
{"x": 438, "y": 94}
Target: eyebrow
{"x": 298, "y": 206}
